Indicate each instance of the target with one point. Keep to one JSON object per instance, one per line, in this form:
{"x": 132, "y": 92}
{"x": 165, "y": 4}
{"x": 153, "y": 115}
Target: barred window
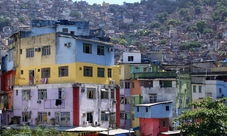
{"x": 87, "y": 71}
{"x": 45, "y": 50}
{"x": 42, "y": 117}
{"x": 101, "y": 72}
{"x": 45, "y": 72}
{"x": 63, "y": 71}
{"x": 30, "y": 53}
{"x": 42, "y": 94}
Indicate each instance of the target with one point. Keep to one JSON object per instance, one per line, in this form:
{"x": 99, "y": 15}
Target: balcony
{"x": 152, "y": 75}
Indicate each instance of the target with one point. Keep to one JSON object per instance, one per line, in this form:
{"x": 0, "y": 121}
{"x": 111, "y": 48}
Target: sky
{"x": 119, "y": 2}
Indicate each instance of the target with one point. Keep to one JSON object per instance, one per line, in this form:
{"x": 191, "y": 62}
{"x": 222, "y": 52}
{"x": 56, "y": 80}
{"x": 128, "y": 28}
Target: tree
{"x": 208, "y": 119}
{"x": 75, "y": 14}
{"x": 163, "y": 16}
{"x": 201, "y": 24}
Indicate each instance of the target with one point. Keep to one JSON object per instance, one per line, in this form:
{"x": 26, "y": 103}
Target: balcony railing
{"x": 151, "y": 75}
{"x": 209, "y": 94}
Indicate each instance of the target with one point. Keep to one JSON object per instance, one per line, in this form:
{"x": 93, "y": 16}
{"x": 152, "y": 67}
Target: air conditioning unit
{"x": 67, "y": 44}
{"x": 37, "y": 49}
{"x": 112, "y": 82}
{"x": 110, "y": 49}
{"x": 39, "y": 101}
{"x": 95, "y": 123}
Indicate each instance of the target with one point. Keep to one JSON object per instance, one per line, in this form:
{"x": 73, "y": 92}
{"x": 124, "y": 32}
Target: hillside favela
{"x": 148, "y": 68}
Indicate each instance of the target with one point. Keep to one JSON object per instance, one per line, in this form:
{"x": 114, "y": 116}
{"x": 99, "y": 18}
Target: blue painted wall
{"x": 220, "y": 85}
{"x": 156, "y": 111}
{"x": 4, "y": 63}
{"x": 9, "y": 63}
{"x": 41, "y": 30}
{"x": 65, "y": 54}
{"x": 75, "y": 53}
{"x": 78, "y": 30}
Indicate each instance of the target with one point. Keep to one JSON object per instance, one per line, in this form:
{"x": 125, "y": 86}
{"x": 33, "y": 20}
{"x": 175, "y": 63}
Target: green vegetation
{"x": 189, "y": 45}
{"x": 75, "y": 14}
{"x": 208, "y": 119}
{"x": 39, "y": 131}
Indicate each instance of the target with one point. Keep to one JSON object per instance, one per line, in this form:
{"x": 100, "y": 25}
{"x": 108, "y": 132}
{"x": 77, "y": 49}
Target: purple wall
{"x": 127, "y": 92}
{"x": 47, "y": 105}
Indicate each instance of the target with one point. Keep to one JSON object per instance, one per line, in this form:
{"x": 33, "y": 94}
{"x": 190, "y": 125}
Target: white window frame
{"x": 26, "y": 94}
{"x": 93, "y": 94}
{"x": 46, "y": 50}
{"x": 153, "y": 98}
{"x": 42, "y": 94}
{"x": 104, "y": 116}
{"x": 63, "y": 71}
{"x": 24, "y": 114}
{"x": 42, "y": 116}
{"x": 104, "y": 94}
{"x": 29, "y": 52}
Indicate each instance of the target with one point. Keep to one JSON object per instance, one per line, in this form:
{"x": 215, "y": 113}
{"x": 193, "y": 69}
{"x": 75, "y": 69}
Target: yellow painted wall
{"x": 135, "y": 123}
{"x": 20, "y": 60}
{"x": 75, "y": 74}
{"x": 125, "y": 72}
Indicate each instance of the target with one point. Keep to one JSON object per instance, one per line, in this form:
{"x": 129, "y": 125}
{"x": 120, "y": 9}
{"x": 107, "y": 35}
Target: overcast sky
{"x": 119, "y": 2}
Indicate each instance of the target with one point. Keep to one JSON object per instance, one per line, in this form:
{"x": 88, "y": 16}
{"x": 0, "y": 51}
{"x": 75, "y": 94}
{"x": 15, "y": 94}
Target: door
{"x": 31, "y": 77}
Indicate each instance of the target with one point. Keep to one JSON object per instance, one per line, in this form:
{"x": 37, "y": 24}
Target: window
{"x": 63, "y": 71}
{"x": 146, "y": 109}
{"x": 20, "y": 51}
{"x": 144, "y": 69}
{"x": 42, "y": 94}
{"x": 127, "y": 100}
{"x": 127, "y": 116}
{"x": 220, "y": 90}
{"x": 57, "y": 117}
{"x": 65, "y": 30}
{"x": 153, "y": 98}
{"x": 87, "y": 48}
{"x": 104, "y": 116}
{"x": 104, "y": 94}
{"x": 61, "y": 93}
{"x": 122, "y": 100}
{"x": 122, "y": 115}
{"x": 112, "y": 93}
{"x": 200, "y": 89}
{"x": 121, "y": 84}
{"x": 127, "y": 85}
{"x": 91, "y": 93}
{"x": 72, "y": 32}
{"x": 45, "y": 72}
{"x": 138, "y": 109}
{"x": 30, "y": 53}
{"x": 100, "y": 50}
{"x": 164, "y": 123}
{"x": 45, "y": 50}
{"x": 109, "y": 72}
{"x": 26, "y": 94}
{"x": 16, "y": 92}
{"x": 167, "y": 108}
{"x": 21, "y": 72}
{"x": 42, "y": 117}
{"x": 194, "y": 89}
{"x": 26, "y": 116}
{"x": 101, "y": 72}
{"x": 130, "y": 58}
{"x": 90, "y": 117}
{"x": 133, "y": 101}
{"x": 187, "y": 100}
{"x": 88, "y": 71}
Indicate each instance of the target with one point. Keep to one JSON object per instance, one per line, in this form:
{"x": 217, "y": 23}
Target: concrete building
{"x": 65, "y": 75}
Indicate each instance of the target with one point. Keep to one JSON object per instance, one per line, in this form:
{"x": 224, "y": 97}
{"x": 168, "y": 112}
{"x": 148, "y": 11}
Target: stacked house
{"x": 63, "y": 74}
